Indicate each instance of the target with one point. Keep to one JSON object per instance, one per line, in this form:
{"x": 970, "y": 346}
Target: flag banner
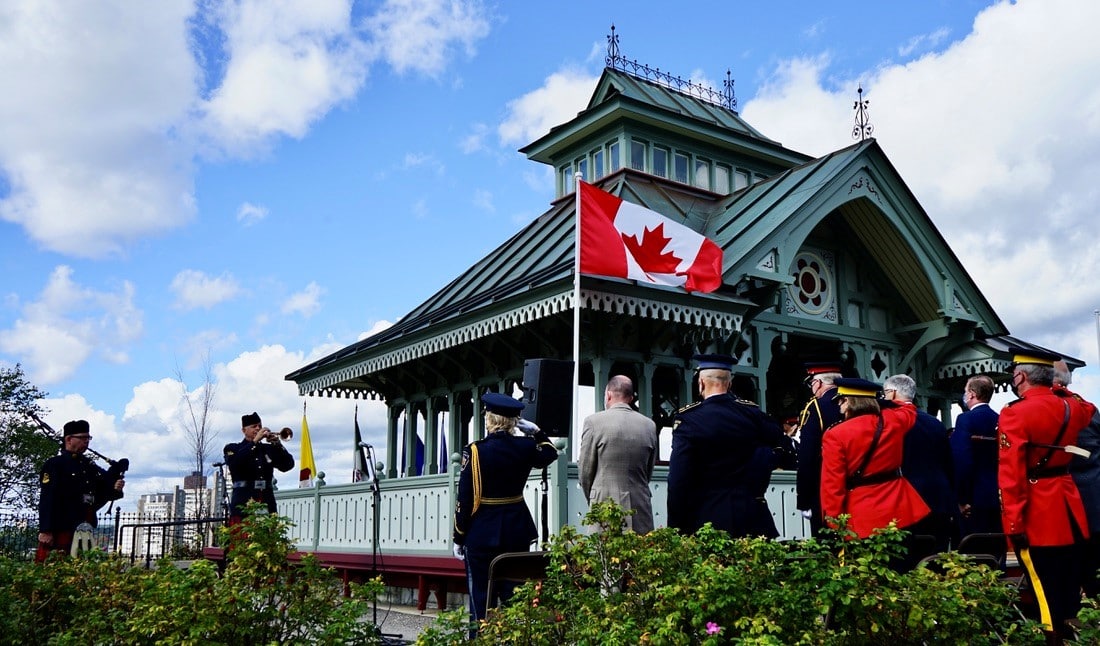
{"x": 624, "y": 240}
{"x": 359, "y": 466}
{"x": 308, "y": 468}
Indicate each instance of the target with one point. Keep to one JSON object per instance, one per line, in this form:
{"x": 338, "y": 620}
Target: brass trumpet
{"x": 285, "y": 434}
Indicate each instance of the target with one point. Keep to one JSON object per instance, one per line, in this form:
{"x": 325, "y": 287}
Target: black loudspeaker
{"x": 548, "y": 395}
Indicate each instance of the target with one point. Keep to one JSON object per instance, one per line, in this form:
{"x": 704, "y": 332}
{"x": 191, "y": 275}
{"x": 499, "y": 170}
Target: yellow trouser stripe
{"x": 475, "y": 474}
{"x": 1037, "y": 586}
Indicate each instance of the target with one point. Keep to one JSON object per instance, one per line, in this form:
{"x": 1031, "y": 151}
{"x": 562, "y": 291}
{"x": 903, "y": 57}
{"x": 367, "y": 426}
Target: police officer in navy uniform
{"x": 252, "y": 463}
{"x": 73, "y": 489}
{"x": 723, "y": 449}
{"x": 491, "y": 517}
{"x": 820, "y": 413}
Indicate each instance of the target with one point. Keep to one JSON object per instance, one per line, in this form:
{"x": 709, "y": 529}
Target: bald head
{"x": 619, "y": 390}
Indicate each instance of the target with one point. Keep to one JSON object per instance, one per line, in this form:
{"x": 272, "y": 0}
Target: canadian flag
{"x": 625, "y": 240}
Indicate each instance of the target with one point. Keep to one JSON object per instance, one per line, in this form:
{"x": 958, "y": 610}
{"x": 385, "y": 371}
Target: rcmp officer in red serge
{"x": 491, "y": 516}
{"x": 723, "y": 449}
{"x": 73, "y": 489}
{"x": 1041, "y": 508}
{"x": 252, "y": 463}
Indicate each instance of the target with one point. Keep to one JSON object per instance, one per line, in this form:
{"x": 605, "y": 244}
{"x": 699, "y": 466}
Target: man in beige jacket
{"x": 618, "y": 451}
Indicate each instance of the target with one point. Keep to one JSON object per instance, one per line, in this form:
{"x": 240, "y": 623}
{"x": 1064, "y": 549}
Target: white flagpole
{"x": 577, "y": 179}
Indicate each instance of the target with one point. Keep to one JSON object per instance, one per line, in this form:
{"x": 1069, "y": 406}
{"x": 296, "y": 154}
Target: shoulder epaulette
{"x": 747, "y": 402}
{"x": 1014, "y": 401}
{"x": 688, "y": 407}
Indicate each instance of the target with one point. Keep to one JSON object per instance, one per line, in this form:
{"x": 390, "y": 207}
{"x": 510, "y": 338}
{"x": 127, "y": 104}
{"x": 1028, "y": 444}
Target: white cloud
{"x": 57, "y": 333}
{"x": 289, "y": 64}
{"x": 92, "y": 94}
{"x": 249, "y": 214}
{"x": 306, "y": 302}
{"x": 108, "y": 105}
{"x": 924, "y": 42}
{"x": 421, "y": 35}
{"x": 562, "y": 95}
{"x": 194, "y": 289}
{"x": 998, "y": 148}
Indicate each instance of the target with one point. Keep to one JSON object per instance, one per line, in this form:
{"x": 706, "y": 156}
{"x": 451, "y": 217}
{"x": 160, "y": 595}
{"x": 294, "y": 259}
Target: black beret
{"x": 250, "y": 419}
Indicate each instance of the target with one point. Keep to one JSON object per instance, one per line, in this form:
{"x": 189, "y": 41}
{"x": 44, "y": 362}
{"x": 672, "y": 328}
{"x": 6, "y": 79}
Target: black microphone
{"x": 218, "y": 464}
{"x": 365, "y": 445}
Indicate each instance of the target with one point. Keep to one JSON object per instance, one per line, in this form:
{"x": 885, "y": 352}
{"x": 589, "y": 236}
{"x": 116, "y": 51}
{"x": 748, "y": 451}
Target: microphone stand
{"x": 376, "y": 503}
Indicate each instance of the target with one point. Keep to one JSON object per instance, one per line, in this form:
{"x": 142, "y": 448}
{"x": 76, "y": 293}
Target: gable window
{"x": 566, "y": 173}
{"x": 702, "y": 174}
{"x": 598, "y": 169}
{"x": 740, "y": 180}
{"x": 680, "y": 168}
{"x": 637, "y": 154}
{"x": 721, "y": 179}
{"x": 582, "y": 168}
{"x": 660, "y": 161}
{"x": 613, "y": 156}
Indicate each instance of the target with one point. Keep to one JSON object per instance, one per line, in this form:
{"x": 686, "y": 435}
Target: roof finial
{"x": 863, "y": 128}
{"x": 612, "y": 48}
{"x": 730, "y": 99}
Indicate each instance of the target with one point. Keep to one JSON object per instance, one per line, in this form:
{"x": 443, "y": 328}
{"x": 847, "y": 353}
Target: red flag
{"x": 624, "y": 240}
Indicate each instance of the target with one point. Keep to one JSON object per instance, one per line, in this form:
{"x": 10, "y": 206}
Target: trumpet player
{"x": 252, "y": 463}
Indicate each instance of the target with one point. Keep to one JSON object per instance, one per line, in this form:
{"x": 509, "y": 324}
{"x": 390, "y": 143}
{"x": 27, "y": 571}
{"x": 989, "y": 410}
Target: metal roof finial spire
{"x": 730, "y": 99}
{"x": 612, "y": 48}
{"x": 863, "y": 128}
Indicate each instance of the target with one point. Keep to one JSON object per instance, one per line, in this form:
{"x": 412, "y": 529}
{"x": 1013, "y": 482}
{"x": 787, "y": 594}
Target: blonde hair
{"x": 495, "y": 422}
{"x": 861, "y": 406}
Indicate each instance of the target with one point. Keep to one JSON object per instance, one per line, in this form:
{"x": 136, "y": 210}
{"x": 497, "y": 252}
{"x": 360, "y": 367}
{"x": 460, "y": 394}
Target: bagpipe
{"x": 115, "y": 468}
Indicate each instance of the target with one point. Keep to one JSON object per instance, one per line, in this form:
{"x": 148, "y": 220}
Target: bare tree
{"x": 196, "y": 424}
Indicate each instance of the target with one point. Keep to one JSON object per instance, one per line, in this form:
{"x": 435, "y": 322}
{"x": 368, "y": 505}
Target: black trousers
{"x": 1056, "y": 575}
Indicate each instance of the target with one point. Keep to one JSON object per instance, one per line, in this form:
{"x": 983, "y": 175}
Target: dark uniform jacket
{"x": 1038, "y": 495}
{"x": 74, "y": 488}
{"x": 927, "y": 464}
{"x": 251, "y": 467}
{"x": 1086, "y": 471}
{"x": 717, "y": 471}
{"x": 490, "y": 511}
{"x": 975, "y": 460}
{"x": 817, "y": 417}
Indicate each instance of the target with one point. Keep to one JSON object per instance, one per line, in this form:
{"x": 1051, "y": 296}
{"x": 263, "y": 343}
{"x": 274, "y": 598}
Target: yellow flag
{"x": 308, "y": 468}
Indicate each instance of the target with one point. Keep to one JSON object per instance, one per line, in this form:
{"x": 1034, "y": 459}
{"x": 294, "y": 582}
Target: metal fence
{"x": 138, "y": 536}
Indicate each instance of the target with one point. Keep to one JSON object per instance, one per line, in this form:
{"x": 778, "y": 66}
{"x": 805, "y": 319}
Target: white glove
{"x": 459, "y": 551}
{"x": 527, "y": 426}
{"x": 807, "y": 514}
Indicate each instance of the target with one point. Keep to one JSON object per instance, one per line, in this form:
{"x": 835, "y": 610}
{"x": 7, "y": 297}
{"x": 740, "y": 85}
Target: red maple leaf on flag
{"x": 650, "y": 254}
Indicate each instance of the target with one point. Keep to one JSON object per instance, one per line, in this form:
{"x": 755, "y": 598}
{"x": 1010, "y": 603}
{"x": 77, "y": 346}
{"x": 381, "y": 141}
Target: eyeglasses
{"x": 889, "y": 390}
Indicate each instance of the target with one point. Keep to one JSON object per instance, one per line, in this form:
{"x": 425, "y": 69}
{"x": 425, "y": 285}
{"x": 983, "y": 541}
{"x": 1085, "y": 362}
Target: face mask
{"x": 1015, "y": 386}
{"x": 962, "y": 402}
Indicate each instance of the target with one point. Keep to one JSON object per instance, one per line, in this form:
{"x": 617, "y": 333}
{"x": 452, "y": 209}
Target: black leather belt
{"x": 1047, "y": 472}
{"x": 873, "y": 479}
{"x": 250, "y": 484}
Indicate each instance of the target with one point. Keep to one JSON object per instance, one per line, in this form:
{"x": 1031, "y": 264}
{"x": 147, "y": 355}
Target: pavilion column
{"x": 431, "y": 434}
{"x": 600, "y": 366}
{"x": 644, "y": 389}
{"x": 454, "y": 427}
{"x": 392, "y": 415}
{"x": 411, "y": 416}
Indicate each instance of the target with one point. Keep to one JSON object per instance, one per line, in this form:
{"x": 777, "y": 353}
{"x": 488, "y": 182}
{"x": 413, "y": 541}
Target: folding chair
{"x": 515, "y": 567}
{"x": 991, "y": 544}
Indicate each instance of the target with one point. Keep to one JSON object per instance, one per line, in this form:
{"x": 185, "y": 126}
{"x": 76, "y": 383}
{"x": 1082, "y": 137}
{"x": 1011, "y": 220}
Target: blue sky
{"x": 262, "y": 183}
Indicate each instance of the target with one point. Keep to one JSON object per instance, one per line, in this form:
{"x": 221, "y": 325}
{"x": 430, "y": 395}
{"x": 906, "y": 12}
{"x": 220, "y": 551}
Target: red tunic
{"x": 871, "y": 506}
{"x": 1041, "y": 507}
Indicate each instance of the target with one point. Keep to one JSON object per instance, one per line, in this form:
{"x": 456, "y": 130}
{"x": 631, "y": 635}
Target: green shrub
{"x": 260, "y": 598}
{"x": 616, "y": 587}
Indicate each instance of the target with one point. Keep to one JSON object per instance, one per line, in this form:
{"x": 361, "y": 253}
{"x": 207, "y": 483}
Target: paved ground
{"x": 403, "y": 623}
